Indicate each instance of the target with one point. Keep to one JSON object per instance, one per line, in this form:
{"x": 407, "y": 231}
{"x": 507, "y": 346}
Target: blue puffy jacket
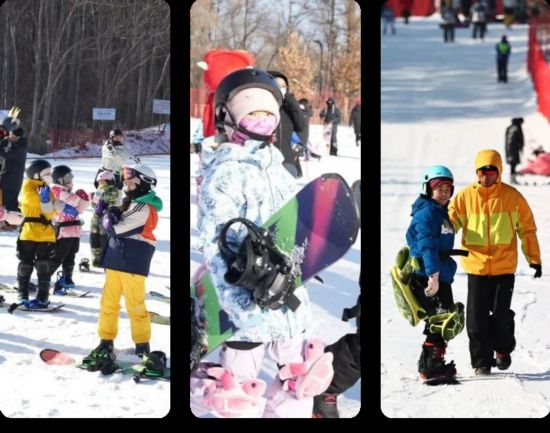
{"x": 430, "y": 233}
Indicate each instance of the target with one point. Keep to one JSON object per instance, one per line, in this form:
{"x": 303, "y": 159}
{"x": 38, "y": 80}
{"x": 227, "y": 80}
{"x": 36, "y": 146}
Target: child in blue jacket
{"x": 430, "y": 237}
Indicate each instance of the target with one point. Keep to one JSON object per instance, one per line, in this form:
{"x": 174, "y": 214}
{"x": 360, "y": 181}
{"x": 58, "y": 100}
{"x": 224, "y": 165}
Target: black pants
{"x": 442, "y": 300}
{"x": 449, "y": 33}
{"x": 502, "y": 70}
{"x": 333, "y": 140}
{"x": 64, "y": 253}
{"x": 346, "y": 363}
{"x": 34, "y": 254}
{"x": 9, "y": 199}
{"x": 489, "y": 332}
{"x": 513, "y": 168}
{"x": 479, "y": 28}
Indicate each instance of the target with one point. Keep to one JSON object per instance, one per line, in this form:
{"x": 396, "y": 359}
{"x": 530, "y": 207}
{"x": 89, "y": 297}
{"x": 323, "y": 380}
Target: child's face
{"x": 258, "y": 114}
{"x": 442, "y": 193}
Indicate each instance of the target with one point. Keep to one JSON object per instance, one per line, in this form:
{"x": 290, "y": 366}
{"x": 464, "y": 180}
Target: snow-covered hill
{"x": 441, "y": 104}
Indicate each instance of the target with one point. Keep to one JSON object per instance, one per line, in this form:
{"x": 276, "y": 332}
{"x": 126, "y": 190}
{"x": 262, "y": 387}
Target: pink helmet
{"x": 106, "y": 175}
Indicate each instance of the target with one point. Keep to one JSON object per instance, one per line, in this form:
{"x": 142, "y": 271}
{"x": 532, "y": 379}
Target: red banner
{"x": 537, "y": 62}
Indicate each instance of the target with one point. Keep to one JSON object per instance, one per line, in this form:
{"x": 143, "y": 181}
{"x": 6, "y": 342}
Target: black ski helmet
{"x": 239, "y": 80}
{"x": 34, "y": 169}
{"x": 62, "y": 175}
{"x": 115, "y": 132}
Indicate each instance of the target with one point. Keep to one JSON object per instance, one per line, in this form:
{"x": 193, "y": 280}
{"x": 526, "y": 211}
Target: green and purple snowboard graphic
{"x": 315, "y": 229}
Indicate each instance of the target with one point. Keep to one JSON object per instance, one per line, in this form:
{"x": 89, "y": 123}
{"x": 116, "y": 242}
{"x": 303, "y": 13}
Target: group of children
{"x": 125, "y": 210}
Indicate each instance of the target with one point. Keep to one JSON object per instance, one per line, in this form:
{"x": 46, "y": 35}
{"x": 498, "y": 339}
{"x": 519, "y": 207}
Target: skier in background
{"x": 331, "y": 116}
{"x": 292, "y": 119}
{"x": 478, "y": 17}
{"x": 514, "y": 145}
{"x": 113, "y": 156}
{"x": 355, "y": 120}
{"x": 503, "y": 50}
{"x": 388, "y": 16}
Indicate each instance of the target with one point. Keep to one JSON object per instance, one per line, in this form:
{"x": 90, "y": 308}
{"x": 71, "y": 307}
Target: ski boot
{"x": 101, "y": 358}
{"x": 503, "y": 360}
{"x": 142, "y": 349}
{"x": 59, "y": 286}
{"x": 432, "y": 362}
{"x": 36, "y": 304}
{"x": 84, "y": 265}
{"x": 482, "y": 371}
{"x": 325, "y": 406}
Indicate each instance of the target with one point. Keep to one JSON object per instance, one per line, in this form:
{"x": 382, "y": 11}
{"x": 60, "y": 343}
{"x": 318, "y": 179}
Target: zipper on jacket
{"x": 488, "y": 234}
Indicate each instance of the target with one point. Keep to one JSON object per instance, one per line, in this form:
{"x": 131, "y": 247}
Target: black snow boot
{"x": 432, "y": 362}
{"x": 325, "y": 406}
{"x": 503, "y": 361}
{"x": 101, "y": 357}
{"x": 142, "y": 349}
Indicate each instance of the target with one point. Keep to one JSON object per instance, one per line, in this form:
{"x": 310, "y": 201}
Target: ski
{"x": 159, "y": 318}
{"x": 160, "y": 297}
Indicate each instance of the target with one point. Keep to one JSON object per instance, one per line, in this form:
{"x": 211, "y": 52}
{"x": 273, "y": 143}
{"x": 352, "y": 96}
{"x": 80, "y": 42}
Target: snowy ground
{"x": 340, "y": 288}
{"x": 441, "y": 104}
{"x": 31, "y": 388}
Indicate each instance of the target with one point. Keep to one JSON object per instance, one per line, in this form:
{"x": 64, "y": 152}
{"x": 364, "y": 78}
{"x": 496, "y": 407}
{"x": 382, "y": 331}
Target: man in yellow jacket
{"x": 492, "y": 215}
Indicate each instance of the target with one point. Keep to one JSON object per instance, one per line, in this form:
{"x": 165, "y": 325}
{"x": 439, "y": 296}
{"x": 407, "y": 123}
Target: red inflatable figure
{"x": 217, "y": 65}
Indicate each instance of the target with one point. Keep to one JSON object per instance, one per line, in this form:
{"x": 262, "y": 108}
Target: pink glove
{"x": 56, "y": 190}
{"x": 433, "y": 285}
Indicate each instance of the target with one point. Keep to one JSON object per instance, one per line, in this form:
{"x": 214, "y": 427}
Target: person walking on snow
{"x": 388, "y": 16}
{"x": 430, "y": 237}
{"x": 491, "y": 215}
{"x": 355, "y": 120}
{"x": 503, "y": 50}
{"x": 244, "y": 177}
{"x": 514, "y": 144}
{"x": 331, "y": 116}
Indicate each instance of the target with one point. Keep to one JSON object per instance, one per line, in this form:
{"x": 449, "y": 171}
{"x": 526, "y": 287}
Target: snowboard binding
{"x": 102, "y": 358}
{"x": 84, "y": 265}
{"x": 260, "y": 267}
{"x": 154, "y": 365}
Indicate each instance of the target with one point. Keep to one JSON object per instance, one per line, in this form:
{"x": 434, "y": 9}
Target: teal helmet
{"x": 436, "y": 172}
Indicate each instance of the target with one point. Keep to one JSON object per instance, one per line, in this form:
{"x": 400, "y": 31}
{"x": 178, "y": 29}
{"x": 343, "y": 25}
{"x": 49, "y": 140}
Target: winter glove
{"x": 433, "y": 285}
{"x": 70, "y": 210}
{"x": 109, "y": 220}
{"x": 56, "y": 189}
{"x": 538, "y": 270}
{"x": 44, "y": 192}
{"x": 82, "y": 194}
{"x": 100, "y": 207}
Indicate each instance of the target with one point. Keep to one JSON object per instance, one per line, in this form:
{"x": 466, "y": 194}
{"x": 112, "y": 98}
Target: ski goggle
{"x": 130, "y": 173}
{"x": 488, "y": 170}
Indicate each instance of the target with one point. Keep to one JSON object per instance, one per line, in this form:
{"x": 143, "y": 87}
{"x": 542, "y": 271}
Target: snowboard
{"x": 435, "y": 381}
{"x": 315, "y": 228}
{"x": 70, "y": 292}
{"x": 55, "y": 357}
{"x": 160, "y": 297}
{"x": 159, "y": 318}
{"x": 20, "y": 307}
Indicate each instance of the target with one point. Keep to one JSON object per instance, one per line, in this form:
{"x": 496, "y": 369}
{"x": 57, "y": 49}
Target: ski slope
{"x": 31, "y": 388}
{"x": 340, "y": 288}
{"x": 441, "y": 104}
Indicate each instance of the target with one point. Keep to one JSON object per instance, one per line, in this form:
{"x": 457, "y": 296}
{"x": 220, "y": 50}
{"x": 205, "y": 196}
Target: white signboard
{"x": 3, "y": 114}
{"x": 161, "y": 106}
{"x": 104, "y": 113}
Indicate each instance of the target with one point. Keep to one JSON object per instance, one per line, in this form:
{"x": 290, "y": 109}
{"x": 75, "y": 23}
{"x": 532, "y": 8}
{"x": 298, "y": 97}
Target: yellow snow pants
{"x": 132, "y": 286}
